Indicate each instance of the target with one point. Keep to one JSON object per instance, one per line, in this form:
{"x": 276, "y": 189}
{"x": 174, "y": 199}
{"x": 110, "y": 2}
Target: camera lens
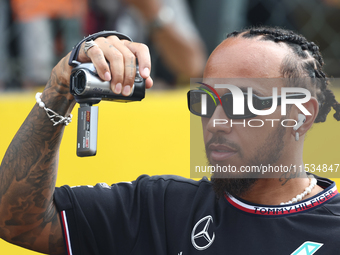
{"x": 79, "y": 82}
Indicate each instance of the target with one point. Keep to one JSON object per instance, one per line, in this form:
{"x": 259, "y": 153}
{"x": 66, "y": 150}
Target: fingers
{"x": 115, "y": 60}
{"x": 127, "y": 64}
{"x": 144, "y": 60}
{"x": 148, "y": 82}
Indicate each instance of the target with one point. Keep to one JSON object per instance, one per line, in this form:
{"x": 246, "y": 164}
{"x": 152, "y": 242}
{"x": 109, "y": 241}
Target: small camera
{"x": 88, "y": 89}
{"x": 86, "y": 84}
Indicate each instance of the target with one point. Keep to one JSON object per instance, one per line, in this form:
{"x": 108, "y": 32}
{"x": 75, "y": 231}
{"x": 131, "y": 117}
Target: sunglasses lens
{"x": 247, "y": 112}
{"x": 201, "y": 104}
{"x": 227, "y": 102}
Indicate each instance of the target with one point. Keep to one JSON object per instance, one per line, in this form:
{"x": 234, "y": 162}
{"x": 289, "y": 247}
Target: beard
{"x": 268, "y": 153}
{"x": 236, "y": 187}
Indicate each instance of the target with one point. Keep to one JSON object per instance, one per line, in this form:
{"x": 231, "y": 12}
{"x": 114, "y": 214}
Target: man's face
{"x": 238, "y": 145}
{"x": 241, "y": 142}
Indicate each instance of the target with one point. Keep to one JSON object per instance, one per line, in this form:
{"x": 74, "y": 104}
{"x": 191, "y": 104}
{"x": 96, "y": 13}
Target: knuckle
{"x": 95, "y": 51}
{"x": 130, "y": 59}
{"x": 117, "y": 54}
{"x": 113, "y": 40}
{"x": 118, "y": 77}
{"x": 124, "y": 41}
{"x": 143, "y": 47}
{"x": 100, "y": 39}
{"x": 113, "y": 37}
{"x": 114, "y": 56}
{"x": 102, "y": 68}
{"x": 102, "y": 65}
{"x": 129, "y": 77}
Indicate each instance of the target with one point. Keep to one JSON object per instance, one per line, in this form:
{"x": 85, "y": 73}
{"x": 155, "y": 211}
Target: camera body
{"x": 88, "y": 89}
{"x": 86, "y": 86}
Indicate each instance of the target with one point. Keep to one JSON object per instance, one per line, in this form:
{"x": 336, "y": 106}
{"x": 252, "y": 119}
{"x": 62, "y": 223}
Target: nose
{"x": 219, "y": 122}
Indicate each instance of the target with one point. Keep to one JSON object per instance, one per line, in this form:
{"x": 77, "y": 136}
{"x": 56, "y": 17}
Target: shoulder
{"x": 170, "y": 182}
{"x": 177, "y": 190}
{"x": 143, "y": 183}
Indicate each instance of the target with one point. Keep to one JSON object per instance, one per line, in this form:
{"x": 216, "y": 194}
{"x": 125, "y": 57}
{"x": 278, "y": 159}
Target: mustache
{"x": 219, "y": 139}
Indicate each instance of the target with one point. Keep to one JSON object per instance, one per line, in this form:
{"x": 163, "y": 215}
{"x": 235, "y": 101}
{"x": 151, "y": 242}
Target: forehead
{"x": 246, "y": 58}
{"x": 259, "y": 86}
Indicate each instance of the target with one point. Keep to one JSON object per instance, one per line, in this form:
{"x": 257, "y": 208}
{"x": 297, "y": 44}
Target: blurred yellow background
{"x": 149, "y": 137}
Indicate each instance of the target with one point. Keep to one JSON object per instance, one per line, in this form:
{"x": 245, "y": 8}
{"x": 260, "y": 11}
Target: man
{"x": 168, "y": 214}
{"x": 177, "y": 49}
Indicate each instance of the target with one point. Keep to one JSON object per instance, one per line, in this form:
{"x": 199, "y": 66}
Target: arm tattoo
{"x": 28, "y": 175}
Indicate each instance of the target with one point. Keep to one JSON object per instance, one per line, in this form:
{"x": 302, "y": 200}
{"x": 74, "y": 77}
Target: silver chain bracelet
{"x": 52, "y": 115}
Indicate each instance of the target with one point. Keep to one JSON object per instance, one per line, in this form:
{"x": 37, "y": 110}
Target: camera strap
{"x": 75, "y": 51}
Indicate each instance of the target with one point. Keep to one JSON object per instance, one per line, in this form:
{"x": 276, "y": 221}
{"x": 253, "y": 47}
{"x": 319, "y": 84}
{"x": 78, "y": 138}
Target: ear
{"x": 312, "y": 107}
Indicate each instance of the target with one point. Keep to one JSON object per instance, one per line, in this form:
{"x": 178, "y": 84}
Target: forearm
{"x": 29, "y": 169}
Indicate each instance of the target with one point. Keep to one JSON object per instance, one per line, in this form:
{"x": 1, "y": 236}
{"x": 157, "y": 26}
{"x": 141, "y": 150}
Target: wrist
{"x": 58, "y": 101}
{"x": 56, "y": 94}
{"x": 54, "y": 117}
{"x": 60, "y": 78}
{"x": 62, "y": 72}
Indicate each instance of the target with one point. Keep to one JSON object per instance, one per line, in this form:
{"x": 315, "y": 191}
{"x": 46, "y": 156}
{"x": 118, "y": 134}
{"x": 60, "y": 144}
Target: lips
{"x": 219, "y": 152}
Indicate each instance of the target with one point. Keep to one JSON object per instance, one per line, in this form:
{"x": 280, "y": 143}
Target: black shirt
{"x": 178, "y": 216}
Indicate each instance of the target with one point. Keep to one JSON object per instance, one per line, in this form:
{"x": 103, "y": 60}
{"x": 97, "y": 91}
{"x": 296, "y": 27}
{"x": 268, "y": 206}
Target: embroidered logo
{"x": 201, "y": 239}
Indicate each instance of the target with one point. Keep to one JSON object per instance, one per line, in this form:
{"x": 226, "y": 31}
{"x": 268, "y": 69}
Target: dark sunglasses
{"x": 259, "y": 103}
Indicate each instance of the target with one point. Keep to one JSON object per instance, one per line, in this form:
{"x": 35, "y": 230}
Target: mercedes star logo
{"x": 203, "y": 237}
